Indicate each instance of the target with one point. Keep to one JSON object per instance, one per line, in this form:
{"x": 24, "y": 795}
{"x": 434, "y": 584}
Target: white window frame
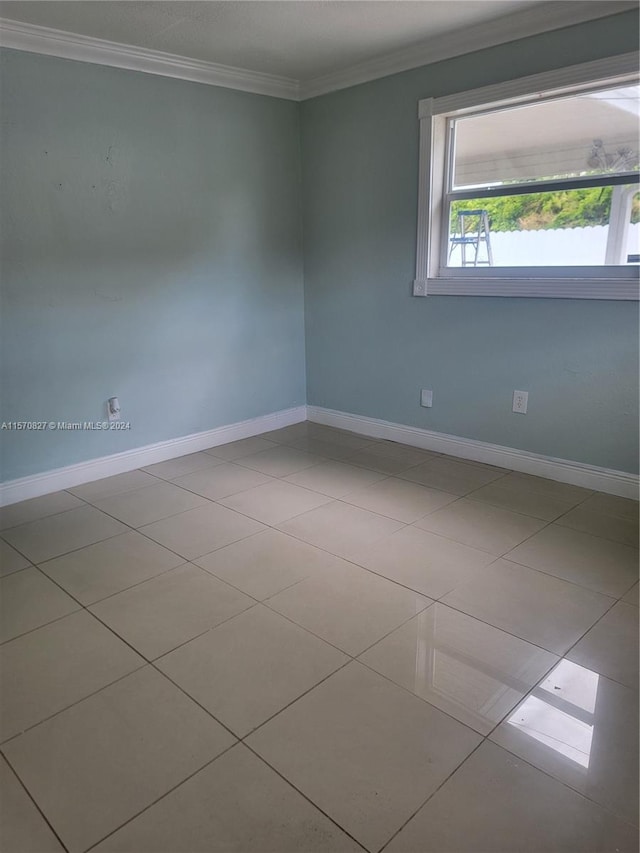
{"x": 432, "y": 276}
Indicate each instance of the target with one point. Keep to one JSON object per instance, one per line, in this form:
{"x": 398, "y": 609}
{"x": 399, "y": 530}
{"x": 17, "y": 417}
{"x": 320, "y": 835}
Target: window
{"x": 531, "y": 188}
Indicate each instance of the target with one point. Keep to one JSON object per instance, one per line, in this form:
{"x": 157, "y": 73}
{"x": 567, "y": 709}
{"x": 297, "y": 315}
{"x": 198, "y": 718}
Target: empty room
{"x": 319, "y": 426}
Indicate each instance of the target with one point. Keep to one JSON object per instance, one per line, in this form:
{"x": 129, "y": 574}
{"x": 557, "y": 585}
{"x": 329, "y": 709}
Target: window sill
{"x": 548, "y": 288}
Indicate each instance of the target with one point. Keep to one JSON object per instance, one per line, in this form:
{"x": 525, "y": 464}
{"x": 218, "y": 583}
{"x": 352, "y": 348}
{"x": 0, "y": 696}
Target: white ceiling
{"x": 299, "y": 39}
{"x": 285, "y": 48}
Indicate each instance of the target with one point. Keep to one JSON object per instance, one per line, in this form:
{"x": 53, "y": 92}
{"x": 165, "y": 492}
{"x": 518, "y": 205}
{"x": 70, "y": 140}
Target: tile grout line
{"x": 27, "y": 792}
{"x": 306, "y": 797}
{"x": 351, "y": 658}
{"x": 273, "y": 527}
{"x": 432, "y": 794}
{"x": 161, "y": 797}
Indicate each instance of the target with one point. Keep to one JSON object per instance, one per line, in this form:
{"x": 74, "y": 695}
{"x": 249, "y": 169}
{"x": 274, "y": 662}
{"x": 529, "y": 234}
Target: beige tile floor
{"x": 313, "y": 641}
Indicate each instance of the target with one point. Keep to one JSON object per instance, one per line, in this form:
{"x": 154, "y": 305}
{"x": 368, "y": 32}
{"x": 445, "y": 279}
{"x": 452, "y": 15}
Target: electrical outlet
{"x": 113, "y": 409}
{"x": 426, "y": 398}
{"x": 520, "y": 400}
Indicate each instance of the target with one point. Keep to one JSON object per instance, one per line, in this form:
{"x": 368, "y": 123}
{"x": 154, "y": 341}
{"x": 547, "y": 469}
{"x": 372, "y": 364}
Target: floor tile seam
{"x": 602, "y": 515}
{"x": 483, "y": 501}
{"x": 565, "y": 580}
{"x": 470, "y": 497}
{"x": 17, "y": 571}
{"x": 582, "y": 636}
{"x": 275, "y": 527}
{"x": 146, "y": 663}
{"x": 24, "y": 556}
{"x": 141, "y": 531}
{"x": 329, "y": 499}
{"x": 410, "y": 588}
{"x": 478, "y": 466}
{"x": 437, "y": 708}
{"x": 558, "y": 521}
{"x": 430, "y": 602}
{"x": 44, "y": 624}
{"x": 518, "y": 758}
{"x": 553, "y": 664}
{"x": 528, "y": 490}
{"x": 433, "y": 793}
{"x": 90, "y": 604}
{"x": 210, "y": 450}
{"x": 306, "y": 541}
{"x": 465, "y": 494}
{"x": 41, "y": 563}
{"x": 383, "y": 477}
{"x": 306, "y": 797}
{"x": 161, "y": 479}
{"x": 476, "y": 547}
{"x": 298, "y": 625}
{"x": 185, "y": 562}
{"x": 321, "y": 461}
{"x": 93, "y": 501}
{"x": 159, "y": 798}
{"x": 156, "y": 520}
{"x": 151, "y": 661}
{"x": 437, "y": 456}
{"x": 455, "y": 500}
{"x": 553, "y": 778}
{"x": 498, "y": 628}
{"x": 37, "y": 807}
{"x": 264, "y": 601}
{"x": 164, "y": 675}
{"x": 350, "y": 460}
{"x": 539, "y": 682}
{"x": 351, "y": 561}
{"x": 9, "y": 740}
{"x": 86, "y": 608}
{"x": 73, "y": 550}
{"x": 595, "y": 492}
{"x": 231, "y": 494}
{"x": 42, "y": 518}
{"x": 349, "y": 450}
{"x": 242, "y": 738}
{"x": 197, "y": 556}
{"x": 259, "y": 600}
{"x": 82, "y": 547}
{"x": 146, "y": 660}
{"x": 430, "y": 454}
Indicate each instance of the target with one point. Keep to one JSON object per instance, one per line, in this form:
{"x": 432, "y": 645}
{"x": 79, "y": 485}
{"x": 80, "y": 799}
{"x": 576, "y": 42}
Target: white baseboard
{"x": 106, "y": 466}
{"x": 563, "y": 470}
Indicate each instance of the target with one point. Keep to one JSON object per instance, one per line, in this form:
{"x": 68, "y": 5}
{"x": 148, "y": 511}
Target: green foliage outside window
{"x": 543, "y": 211}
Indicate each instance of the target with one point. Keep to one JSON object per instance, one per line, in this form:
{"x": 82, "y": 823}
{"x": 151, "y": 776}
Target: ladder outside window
{"x": 472, "y": 231}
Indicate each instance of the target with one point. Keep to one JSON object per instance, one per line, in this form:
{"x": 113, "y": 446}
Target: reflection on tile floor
{"x": 420, "y": 654}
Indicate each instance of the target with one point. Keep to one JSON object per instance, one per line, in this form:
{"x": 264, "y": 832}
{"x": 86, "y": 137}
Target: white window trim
{"x": 561, "y": 283}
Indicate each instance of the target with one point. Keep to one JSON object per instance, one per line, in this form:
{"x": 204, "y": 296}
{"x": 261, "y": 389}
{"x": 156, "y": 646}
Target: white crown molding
{"x": 117, "y": 463}
{"x": 35, "y": 39}
{"x": 562, "y": 470}
{"x": 549, "y": 15}
{"x": 528, "y": 22}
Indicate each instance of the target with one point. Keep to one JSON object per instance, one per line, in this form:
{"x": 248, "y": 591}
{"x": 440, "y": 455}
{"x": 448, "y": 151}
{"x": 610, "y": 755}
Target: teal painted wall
{"x": 151, "y": 245}
{"x": 371, "y": 346}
